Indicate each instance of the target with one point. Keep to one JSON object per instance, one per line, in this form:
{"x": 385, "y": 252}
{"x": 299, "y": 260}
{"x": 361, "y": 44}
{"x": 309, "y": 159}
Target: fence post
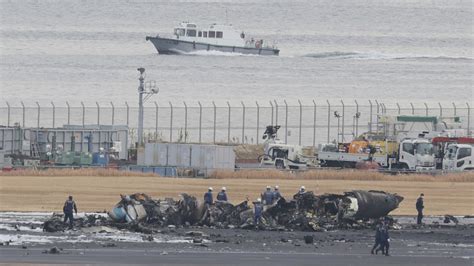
{"x": 185, "y": 120}
{"x": 370, "y": 120}
{"x": 258, "y": 119}
{"x": 384, "y": 108}
{"x": 329, "y": 121}
{"x": 68, "y": 113}
{"x": 8, "y": 114}
{"x": 83, "y": 115}
{"x": 215, "y": 117}
{"x": 156, "y": 121}
{"x": 200, "y": 121}
{"x": 54, "y": 113}
{"x": 343, "y": 118}
{"x": 286, "y": 121}
{"x": 357, "y": 119}
{"x": 468, "y": 120}
{"x": 113, "y": 114}
{"x": 171, "y": 121}
{"x": 271, "y": 104}
{"x": 39, "y": 116}
{"x": 412, "y": 109}
{"x": 301, "y": 122}
{"x": 23, "y": 108}
{"x": 426, "y": 108}
{"x": 128, "y": 114}
{"x": 377, "y": 120}
{"x": 276, "y": 112}
{"x": 455, "y": 111}
{"x": 98, "y": 113}
{"x": 228, "y": 123}
{"x": 314, "y": 124}
{"x": 243, "y": 121}
{"x": 440, "y": 110}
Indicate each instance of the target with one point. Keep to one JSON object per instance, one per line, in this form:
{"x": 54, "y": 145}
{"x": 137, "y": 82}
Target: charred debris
{"x": 305, "y": 212}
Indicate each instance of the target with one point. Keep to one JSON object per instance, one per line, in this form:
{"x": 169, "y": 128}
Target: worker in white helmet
{"x": 222, "y": 196}
{"x": 267, "y": 196}
{"x": 276, "y": 193}
{"x": 258, "y": 210}
{"x": 302, "y": 190}
{"x": 208, "y": 199}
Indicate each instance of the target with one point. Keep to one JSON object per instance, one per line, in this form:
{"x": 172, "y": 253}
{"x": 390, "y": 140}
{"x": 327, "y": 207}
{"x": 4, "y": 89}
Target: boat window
{"x": 204, "y": 34}
{"x": 199, "y": 33}
{"x": 219, "y": 34}
{"x": 212, "y": 34}
{"x": 191, "y": 33}
{"x": 179, "y": 32}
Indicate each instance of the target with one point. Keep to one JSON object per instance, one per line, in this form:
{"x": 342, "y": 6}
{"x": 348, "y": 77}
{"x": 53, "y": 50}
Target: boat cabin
{"x": 215, "y": 34}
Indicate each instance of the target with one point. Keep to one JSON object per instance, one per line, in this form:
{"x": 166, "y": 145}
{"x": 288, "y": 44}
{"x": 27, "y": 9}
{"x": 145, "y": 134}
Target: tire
{"x": 279, "y": 164}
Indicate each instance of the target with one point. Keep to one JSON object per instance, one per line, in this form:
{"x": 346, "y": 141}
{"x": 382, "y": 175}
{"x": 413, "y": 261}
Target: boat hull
{"x": 173, "y": 46}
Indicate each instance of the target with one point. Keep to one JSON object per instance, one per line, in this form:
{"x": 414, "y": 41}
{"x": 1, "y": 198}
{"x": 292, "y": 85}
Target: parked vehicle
{"x": 281, "y": 155}
{"x": 411, "y": 155}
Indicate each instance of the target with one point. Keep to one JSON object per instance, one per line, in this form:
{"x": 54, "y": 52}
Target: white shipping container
{"x": 190, "y": 155}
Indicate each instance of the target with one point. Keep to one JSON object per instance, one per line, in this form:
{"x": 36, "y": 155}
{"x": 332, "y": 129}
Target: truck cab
{"x": 416, "y": 155}
{"x": 458, "y": 157}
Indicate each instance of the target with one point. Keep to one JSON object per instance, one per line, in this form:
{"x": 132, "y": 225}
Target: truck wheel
{"x": 279, "y": 164}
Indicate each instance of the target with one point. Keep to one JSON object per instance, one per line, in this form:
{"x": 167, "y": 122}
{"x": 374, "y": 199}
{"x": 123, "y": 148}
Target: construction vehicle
{"x": 415, "y": 154}
{"x": 281, "y": 155}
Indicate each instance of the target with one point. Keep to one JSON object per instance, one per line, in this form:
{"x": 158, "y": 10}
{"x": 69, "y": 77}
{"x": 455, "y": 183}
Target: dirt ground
{"x": 46, "y": 193}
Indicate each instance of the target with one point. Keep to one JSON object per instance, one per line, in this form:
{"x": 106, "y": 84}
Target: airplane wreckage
{"x": 306, "y": 212}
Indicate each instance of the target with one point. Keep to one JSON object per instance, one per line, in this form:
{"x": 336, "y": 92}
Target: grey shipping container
{"x": 201, "y": 156}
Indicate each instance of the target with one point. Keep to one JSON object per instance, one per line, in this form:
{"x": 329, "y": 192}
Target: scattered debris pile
{"x": 56, "y": 222}
{"x": 306, "y": 211}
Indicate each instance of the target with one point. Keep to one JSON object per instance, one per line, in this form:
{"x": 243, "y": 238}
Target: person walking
{"x": 384, "y": 239}
{"x": 378, "y": 228}
{"x": 419, "y": 207}
{"x": 68, "y": 208}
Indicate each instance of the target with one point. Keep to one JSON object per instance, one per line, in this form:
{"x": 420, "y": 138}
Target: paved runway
{"x": 154, "y": 256}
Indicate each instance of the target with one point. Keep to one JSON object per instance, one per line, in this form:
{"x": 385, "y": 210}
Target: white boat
{"x": 188, "y": 37}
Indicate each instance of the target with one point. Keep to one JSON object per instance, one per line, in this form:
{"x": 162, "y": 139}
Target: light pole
{"x": 338, "y": 116}
{"x": 149, "y": 91}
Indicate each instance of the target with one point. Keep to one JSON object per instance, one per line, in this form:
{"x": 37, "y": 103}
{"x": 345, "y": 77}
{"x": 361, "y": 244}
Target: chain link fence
{"x": 301, "y": 123}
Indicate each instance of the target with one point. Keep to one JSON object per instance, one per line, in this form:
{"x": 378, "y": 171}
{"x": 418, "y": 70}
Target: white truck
{"x": 281, "y": 155}
{"x": 413, "y": 155}
{"x": 459, "y": 157}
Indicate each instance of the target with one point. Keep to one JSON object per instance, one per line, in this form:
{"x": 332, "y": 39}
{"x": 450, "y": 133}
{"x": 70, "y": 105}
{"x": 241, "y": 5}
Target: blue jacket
{"x": 208, "y": 197}
{"x": 378, "y": 232}
{"x": 267, "y": 196}
{"x": 69, "y": 206}
{"x": 276, "y": 195}
{"x": 258, "y": 209}
{"x": 222, "y": 196}
{"x": 384, "y": 234}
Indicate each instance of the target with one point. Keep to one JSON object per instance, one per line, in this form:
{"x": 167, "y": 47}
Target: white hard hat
{"x": 268, "y": 187}
{"x": 224, "y": 188}
{"x": 259, "y": 200}
{"x": 302, "y": 188}
{"x": 210, "y": 188}
{"x": 277, "y": 187}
